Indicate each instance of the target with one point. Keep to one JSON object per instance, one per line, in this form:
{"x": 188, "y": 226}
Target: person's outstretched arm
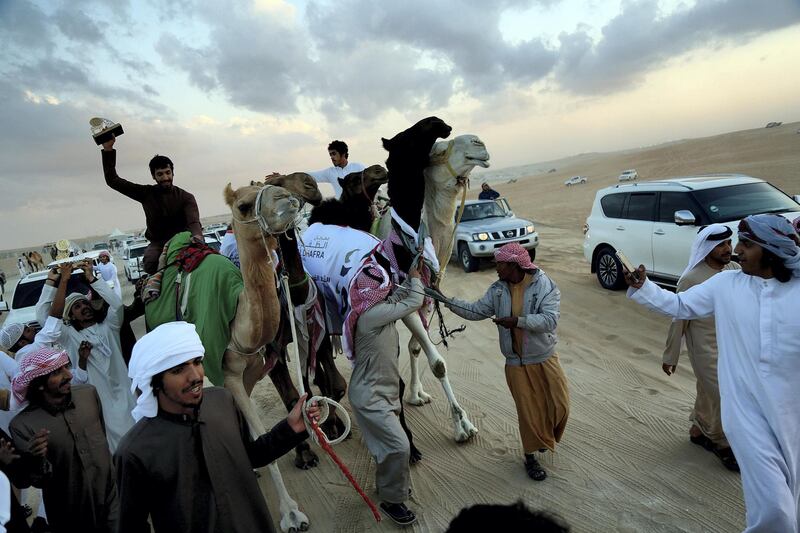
{"x": 697, "y": 302}
{"x": 478, "y": 310}
{"x": 134, "y": 191}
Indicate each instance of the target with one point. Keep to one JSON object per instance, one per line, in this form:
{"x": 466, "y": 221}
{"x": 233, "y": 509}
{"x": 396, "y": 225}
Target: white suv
{"x": 628, "y": 175}
{"x": 655, "y": 222}
{"x": 133, "y": 256}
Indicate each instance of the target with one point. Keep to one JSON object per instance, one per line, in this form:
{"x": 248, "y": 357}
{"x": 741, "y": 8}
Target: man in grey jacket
{"x": 525, "y": 305}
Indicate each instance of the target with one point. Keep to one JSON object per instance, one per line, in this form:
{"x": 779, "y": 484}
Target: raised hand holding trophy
{"x": 103, "y": 129}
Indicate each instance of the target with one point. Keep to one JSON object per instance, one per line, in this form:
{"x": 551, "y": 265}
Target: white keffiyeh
{"x": 165, "y": 347}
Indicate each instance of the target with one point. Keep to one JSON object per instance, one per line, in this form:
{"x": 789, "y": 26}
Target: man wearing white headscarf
{"x": 188, "y": 462}
{"x": 108, "y": 271}
{"x": 106, "y": 366}
{"x": 757, "y": 311}
{"x": 711, "y": 254}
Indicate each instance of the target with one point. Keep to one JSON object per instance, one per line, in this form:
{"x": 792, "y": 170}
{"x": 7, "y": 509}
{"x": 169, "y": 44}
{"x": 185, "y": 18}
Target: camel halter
{"x": 463, "y": 181}
{"x": 258, "y": 217}
{"x": 324, "y": 404}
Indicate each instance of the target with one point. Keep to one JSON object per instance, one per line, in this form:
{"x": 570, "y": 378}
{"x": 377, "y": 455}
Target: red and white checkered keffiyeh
{"x": 514, "y": 253}
{"x": 37, "y": 363}
{"x": 371, "y": 285}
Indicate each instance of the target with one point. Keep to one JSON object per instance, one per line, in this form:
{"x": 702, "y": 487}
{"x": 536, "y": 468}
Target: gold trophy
{"x": 103, "y": 129}
{"x": 62, "y": 249}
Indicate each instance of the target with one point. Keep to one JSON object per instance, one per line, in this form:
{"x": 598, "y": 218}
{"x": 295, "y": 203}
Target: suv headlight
{"x": 480, "y": 236}
{"x": 530, "y": 229}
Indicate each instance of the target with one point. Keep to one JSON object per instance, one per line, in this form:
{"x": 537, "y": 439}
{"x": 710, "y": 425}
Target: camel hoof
{"x": 465, "y": 430}
{"x": 438, "y": 368}
{"x": 305, "y": 458}
{"x": 294, "y": 521}
{"x": 419, "y": 397}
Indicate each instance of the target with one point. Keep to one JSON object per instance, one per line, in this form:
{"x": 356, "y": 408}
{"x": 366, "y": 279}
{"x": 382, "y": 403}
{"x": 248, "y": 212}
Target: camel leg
{"x": 305, "y": 457}
{"x": 292, "y": 520}
{"x": 416, "y": 395}
{"x": 463, "y": 428}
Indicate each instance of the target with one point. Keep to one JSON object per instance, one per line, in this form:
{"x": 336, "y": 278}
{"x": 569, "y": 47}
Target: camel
{"x": 425, "y": 178}
{"x": 257, "y": 313}
{"x": 353, "y": 208}
{"x": 35, "y": 261}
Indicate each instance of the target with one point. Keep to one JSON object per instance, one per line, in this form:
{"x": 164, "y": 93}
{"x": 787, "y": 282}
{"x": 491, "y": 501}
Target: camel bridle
{"x": 258, "y": 217}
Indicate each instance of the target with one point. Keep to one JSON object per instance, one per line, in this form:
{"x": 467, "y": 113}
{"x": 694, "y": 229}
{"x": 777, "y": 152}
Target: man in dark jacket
{"x": 188, "y": 462}
{"x": 487, "y": 193}
{"x": 167, "y": 209}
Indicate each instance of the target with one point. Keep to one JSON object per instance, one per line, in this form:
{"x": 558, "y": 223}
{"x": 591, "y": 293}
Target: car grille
{"x": 507, "y": 234}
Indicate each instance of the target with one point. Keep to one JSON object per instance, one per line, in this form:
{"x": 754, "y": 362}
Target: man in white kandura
{"x": 757, "y": 311}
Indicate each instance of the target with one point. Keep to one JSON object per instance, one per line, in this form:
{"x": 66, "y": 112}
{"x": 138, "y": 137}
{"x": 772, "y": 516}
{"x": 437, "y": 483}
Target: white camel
{"x": 445, "y": 180}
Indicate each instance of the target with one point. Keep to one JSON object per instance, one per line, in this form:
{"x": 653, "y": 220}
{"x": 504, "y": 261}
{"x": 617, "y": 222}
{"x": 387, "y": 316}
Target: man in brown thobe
{"x": 76, "y": 477}
{"x": 188, "y": 462}
{"x": 711, "y": 254}
{"x": 167, "y": 209}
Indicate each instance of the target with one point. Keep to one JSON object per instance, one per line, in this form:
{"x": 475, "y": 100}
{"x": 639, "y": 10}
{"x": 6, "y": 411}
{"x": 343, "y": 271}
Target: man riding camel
{"x": 168, "y": 209}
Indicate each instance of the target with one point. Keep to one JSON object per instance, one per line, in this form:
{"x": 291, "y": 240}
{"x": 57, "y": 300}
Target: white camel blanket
{"x": 332, "y": 255}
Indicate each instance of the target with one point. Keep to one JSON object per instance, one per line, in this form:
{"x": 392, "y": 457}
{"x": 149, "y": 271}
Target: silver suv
{"x": 487, "y": 225}
{"x": 655, "y": 222}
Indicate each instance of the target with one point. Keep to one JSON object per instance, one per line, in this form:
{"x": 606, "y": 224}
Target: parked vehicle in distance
{"x": 487, "y": 225}
{"x": 655, "y": 222}
{"x": 101, "y": 246}
{"x": 132, "y": 255}
{"x": 628, "y": 175}
{"x": 216, "y": 230}
{"x": 575, "y": 180}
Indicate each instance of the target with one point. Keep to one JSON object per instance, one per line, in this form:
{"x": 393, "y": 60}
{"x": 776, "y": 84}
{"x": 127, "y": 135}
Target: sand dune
{"x": 625, "y": 463}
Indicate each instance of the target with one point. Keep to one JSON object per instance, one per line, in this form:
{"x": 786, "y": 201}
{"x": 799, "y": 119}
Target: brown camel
{"x": 258, "y": 213}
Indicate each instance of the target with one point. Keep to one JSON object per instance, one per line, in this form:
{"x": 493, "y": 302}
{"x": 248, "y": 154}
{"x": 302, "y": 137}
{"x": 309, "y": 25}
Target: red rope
{"x": 323, "y": 441}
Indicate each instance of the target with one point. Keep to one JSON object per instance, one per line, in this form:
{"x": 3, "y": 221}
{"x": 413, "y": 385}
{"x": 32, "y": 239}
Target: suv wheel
{"x": 468, "y": 262}
{"x": 532, "y": 254}
{"x": 609, "y": 271}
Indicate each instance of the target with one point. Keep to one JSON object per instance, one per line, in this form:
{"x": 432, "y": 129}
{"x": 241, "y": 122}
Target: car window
{"x": 483, "y": 210}
{"x": 133, "y": 253}
{"x": 675, "y": 201}
{"x": 27, "y": 294}
{"x": 641, "y": 206}
{"x": 723, "y": 204}
{"x": 612, "y": 204}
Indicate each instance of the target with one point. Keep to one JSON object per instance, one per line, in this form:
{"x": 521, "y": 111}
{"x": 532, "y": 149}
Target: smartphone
{"x": 627, "y": 265}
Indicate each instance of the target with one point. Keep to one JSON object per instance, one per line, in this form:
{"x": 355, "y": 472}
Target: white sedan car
{"x": 575, "y": 180}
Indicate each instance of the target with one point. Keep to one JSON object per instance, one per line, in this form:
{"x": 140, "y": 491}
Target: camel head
{"x": 274, "y": 212}
{"x": 455, "y": 159}
{"x": 302, "y": 185}
{"x": 365, "y": 182}
{"x": 420, "y": 136}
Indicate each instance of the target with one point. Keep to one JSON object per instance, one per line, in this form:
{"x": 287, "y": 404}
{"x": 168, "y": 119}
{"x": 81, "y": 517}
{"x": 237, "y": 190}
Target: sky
{"x": 234, "y": 89}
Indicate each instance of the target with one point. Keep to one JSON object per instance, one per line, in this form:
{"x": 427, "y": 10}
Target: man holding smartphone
{"x": 757, "y": 311}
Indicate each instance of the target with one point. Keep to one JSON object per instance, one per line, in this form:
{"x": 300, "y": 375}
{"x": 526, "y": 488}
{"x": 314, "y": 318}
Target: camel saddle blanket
{"x": 332, "y": 255}
{"x": 209, "y": 295}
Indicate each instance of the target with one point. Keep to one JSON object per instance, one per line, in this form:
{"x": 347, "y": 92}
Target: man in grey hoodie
{"x": 525, "y": 305}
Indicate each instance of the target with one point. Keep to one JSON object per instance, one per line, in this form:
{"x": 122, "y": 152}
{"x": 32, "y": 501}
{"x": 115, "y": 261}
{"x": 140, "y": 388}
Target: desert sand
{"x": 625, "y": 462}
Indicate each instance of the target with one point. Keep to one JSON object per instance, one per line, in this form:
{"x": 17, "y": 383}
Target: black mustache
{"x": 195, "y": 382}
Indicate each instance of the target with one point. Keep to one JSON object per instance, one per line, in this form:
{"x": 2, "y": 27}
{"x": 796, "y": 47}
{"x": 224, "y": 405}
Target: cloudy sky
{"x": 232, "y": 89}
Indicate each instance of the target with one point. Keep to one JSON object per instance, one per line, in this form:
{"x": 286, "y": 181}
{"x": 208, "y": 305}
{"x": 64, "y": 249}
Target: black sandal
{"x": 727, "y": 458}
{"x": 534, "y": 469}
{"x": 702, "y": 440}
{"x": 399, "y": 513}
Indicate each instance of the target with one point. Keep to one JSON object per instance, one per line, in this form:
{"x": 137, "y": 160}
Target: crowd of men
{"x": 120, "y": 434}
